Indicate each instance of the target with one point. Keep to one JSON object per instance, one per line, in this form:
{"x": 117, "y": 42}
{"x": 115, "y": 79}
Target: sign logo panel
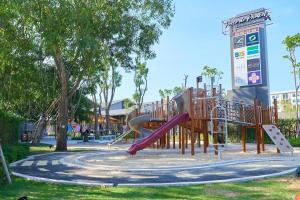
{"x": 239, "y": 41}
{"x": 253, "y": 64}
{"x": 254, "y": 78}
{"x": 246, "y": 57}
{"x": 252, "y": 39}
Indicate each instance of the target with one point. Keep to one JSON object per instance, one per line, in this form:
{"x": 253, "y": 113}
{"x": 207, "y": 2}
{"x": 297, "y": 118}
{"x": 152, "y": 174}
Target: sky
{"x": 195, "y": 39}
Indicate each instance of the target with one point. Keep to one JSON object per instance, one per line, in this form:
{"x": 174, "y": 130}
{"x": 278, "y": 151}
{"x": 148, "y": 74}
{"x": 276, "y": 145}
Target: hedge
{"x": 286, "y": 126}
{"x": 12, "y": 153}
{"x": 9, "y": 135}
{"x": 9, "y": 127}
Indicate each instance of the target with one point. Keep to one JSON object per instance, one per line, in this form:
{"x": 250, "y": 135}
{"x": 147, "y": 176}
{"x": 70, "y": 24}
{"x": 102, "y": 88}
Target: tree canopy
{"x": 76, "y": 38}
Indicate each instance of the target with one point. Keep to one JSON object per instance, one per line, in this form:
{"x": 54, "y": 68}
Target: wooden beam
{"x": 215, "y": 125}
{"x": 262, "y": 139}
{"x": 168, "y": 133}
{"x": 205, "y": 136}
{"x": 182, "y": 141}
{"x": 257, "y": 133}
{"x": 244, "y": 138}
{"x": 174, "y": 129}
{"x": 179, "y": 135}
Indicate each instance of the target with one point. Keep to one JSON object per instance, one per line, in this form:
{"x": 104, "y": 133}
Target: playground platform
{"x": 155, "y": 167}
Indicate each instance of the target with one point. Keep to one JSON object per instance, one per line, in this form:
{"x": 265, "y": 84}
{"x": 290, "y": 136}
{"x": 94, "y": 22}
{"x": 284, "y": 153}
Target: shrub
{"x": 295, "y": 142}
{"x": 9, "y": 127}
{"x": 12, "y": 153}
{"x": 77, "y": 138}
{"x": 287, "y": 127}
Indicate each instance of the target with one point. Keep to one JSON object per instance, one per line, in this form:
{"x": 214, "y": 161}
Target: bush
{"x": 76, "y": 138}
{"x": 295, "y": 142}
{"x": 9, "y": 127}
{"x": 12, "y": 153}
{"x": 287, "y": 127}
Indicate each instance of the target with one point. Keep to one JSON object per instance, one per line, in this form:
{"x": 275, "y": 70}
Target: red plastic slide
{"x": 147, "y": 141}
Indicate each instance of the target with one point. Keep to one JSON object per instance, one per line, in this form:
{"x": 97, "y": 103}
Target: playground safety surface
{"x": 155, "y": 167}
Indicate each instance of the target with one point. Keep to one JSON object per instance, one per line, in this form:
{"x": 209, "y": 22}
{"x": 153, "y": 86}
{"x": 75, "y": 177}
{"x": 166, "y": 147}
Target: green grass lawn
{"x": 42, "y": 148}
{"x": 275, "y": 188}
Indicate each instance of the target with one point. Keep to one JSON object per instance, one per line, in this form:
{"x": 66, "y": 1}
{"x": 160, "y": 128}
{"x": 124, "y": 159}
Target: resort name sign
{"x": 249, "y": 59}
{"x": 248, "y": 19}
{"x": 248, "y": 47}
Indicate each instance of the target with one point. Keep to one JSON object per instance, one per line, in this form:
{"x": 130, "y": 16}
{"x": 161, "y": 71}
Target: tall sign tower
{"x": 249, "y": 61}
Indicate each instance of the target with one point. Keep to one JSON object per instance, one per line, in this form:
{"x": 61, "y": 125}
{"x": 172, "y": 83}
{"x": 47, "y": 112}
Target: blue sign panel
{"x": 252, "y": 39}
{"x": 254, "y": 78}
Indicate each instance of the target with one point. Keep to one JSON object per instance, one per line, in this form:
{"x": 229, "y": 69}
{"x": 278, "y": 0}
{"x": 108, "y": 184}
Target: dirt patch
{"x": 226, "y": 193}
{"x": 291, "y": 182}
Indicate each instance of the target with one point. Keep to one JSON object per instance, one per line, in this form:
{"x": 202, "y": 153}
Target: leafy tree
{"x": 28, "y": 80}
{"x": 291, "y": 43}
{"x": 165, "y": 92}
{"x": 110, "y": 80}
{"x": 141, "y": 84}
{"x": 127, "y": 104}
{"x": 177, "y": 90}
{"x": 209, "y": 72}
{"x": 81, "y": 107}
{"x": 74, "y": 35}
{"x": 288, "y": 107}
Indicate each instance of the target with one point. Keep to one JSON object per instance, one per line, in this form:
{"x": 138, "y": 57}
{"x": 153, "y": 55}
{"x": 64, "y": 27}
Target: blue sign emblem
{"x": 254, "y": 78}
{"x": 252, "y": 39}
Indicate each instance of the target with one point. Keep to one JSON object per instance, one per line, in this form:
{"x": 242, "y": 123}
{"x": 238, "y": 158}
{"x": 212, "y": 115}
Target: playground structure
{"x": 197, "y": 114}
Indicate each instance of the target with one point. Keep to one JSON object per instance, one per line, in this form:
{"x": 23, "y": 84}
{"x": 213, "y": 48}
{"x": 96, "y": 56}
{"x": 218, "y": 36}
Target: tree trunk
{"x": 62, "y": 121}
{"x": 96, "y": 124}
{"x": 107, "y": 122}
{"x": 61, "y": 140}
{"x": 41, "y": 125}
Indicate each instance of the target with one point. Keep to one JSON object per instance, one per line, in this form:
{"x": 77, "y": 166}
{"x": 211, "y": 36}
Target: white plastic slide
{"x": 135, "y": 124}
{"x": 279, "y": 140}
{"x": 120, "y": 137}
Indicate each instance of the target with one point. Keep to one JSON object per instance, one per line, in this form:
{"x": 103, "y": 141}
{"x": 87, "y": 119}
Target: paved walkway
{"x": 154, "y": 167}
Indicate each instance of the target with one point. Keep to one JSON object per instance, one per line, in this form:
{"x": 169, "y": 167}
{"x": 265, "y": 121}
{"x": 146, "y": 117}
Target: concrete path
{"x": 52, "y": 141}
{"x": 153, "y": 167}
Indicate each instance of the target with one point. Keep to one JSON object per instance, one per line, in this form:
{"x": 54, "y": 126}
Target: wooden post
{"x": 153, "y": 110}
{"x": 242, "y": 113}
{"x": 174, "y": 129}
{"x": 244, "y": 138}
{"x": 205, "y": 104}
{"x": 215, "y": 125}
{"x": 198, "y": 134}
{"x": 262, "y": 143}
{"x": 156, "y": 110}
{"x": 182, "y": 141}
{"x": 257, "y": 133}
{"x": 186, "y": 137}
{"x": 168, "y": 133}
{"x": 4, "y": 165}
{"x": 192, "y": 121}
{"x": 261, "y": 131}
{"x": 179, "y": 136}
{"x": 205, "y": 136}
{"x": 163, "y": 138}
